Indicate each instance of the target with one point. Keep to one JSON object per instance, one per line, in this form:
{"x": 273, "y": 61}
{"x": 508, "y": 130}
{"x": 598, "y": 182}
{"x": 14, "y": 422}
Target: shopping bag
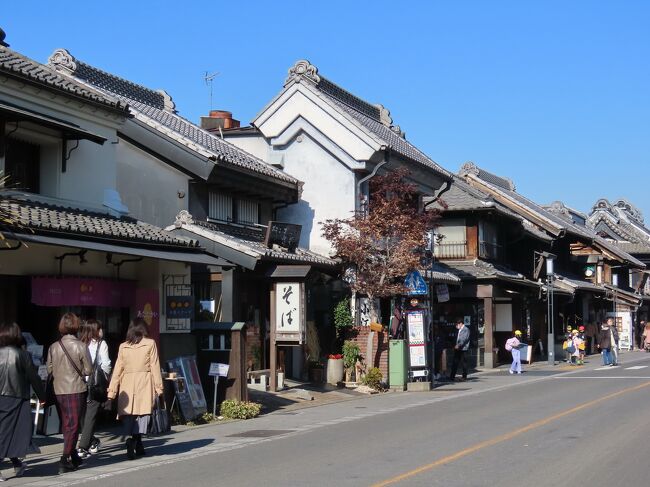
{"x": 159, "y": 423}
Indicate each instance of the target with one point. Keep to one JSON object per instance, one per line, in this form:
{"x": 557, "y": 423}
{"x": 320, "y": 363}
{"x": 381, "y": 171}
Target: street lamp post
{"x": 550, "y": 258}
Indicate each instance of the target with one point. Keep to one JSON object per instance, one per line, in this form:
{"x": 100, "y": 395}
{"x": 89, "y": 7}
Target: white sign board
{"x": 218, "y": 370}
{"x": 289, "y": 313}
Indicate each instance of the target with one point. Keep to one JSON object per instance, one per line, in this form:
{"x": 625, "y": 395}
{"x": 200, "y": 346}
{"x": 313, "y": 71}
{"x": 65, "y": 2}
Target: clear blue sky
{"x": 554, "y": 95}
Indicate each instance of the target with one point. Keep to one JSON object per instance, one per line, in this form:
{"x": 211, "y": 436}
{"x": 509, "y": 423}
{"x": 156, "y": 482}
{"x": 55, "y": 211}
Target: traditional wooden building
{"x": 494, "y": 239}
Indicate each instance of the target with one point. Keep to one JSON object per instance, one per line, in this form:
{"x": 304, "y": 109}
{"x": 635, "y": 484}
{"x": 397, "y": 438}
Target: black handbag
{"x": 98, "y": 381}
{"x": 50, "y": 396}
{"x": 159, "y": 423}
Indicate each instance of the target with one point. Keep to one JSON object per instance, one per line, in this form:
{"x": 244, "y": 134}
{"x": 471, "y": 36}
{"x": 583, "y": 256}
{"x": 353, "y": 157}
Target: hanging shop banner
{"x": 180, "y": 307}
{"x": 79, "y": 291}
{"x": 147, "y": 306}
{"x": 442, "y": 293}
{"x": 289, "y": 311}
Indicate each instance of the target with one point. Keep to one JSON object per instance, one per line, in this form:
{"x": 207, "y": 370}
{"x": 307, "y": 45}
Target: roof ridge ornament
{"x": 61, "y": 59}
{"x": 168, "y": 103}
{"x": 184, "y": 217}
{"x": 469, "y": 168}
{"x": 303, "y": 69}
{"x": 384, "y": 116}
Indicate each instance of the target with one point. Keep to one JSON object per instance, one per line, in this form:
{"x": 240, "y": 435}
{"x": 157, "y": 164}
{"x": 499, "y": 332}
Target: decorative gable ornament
{"x": 61, "y": 59}
{"x": 184, "y": 217}
{"x": 303, "y": 69}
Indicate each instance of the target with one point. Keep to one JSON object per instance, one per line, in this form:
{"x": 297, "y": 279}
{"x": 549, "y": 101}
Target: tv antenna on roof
{"x": 209, "y": 78}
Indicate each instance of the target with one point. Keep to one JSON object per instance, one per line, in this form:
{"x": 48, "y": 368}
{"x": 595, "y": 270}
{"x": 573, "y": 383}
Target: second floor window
{"x": 220, "y": 206}
{"x": 226, "y": 208}
{"x": 489, "y": 247}
{"x": 451, "y": 240}
{"x": 22, "y": 165}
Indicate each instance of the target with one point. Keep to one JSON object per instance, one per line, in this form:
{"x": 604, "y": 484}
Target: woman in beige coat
{"x": 136, "y": 382}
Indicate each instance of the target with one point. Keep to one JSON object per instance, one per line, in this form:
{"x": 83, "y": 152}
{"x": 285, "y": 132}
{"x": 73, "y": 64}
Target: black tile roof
{"x": 158, "y": 107}
{"x": 374, "y": 118}
{"x": 16, "y": 65}
{"x": 46, "y": 216}
{"x": 470, "y": 170}
{"x": 251, "y": 239}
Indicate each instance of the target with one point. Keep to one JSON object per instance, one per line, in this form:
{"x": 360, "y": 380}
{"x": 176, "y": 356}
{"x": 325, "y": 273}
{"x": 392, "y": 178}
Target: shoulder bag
{"x": 98, "y": 381}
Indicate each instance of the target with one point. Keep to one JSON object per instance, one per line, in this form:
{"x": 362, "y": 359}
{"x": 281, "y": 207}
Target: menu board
{"x": 189, "y": 392}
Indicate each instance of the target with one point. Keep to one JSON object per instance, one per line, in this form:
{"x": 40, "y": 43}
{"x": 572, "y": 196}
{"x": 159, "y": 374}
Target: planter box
{"x": 316, "y": 376}
{"x": 334, "y": 371}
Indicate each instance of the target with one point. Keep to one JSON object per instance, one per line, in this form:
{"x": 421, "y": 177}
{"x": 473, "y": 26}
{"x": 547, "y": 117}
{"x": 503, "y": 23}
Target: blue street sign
{"x": 416, "y": 284}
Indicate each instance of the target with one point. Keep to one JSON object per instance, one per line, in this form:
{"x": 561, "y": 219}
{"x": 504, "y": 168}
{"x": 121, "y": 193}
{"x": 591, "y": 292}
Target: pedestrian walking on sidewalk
{"x": 614, "y": 340}
{"x": 462, "y": 345}
{"x": 582, "y": 345}
{"x": 137, "y": 383}
{"x": 17, "y": 374}
{"x": 574, "y": 348}
{"x": 513, "y": 345}
{"x": 92, "y": 335}
{"x": 646, "y": 337}
{"x": 68, "y": 361}
{"x": 605, "y": 343}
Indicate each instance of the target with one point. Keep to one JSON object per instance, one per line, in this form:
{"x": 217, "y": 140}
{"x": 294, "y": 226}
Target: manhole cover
{"x": 260, "y": 433}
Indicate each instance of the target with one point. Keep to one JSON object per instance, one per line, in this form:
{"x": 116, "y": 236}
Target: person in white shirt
{"x": 91, "y": 334}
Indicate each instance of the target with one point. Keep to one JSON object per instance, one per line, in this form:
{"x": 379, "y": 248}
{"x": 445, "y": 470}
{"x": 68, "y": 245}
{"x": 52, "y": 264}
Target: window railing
{"x": 451, "y": 250}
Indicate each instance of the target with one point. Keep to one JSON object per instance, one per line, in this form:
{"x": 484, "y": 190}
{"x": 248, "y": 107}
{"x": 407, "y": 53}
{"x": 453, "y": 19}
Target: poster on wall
{"x": 417, "y": 355}
{"x": 289, "y": 311}
{"x": 147, "y": 307}
{"x": 415, "y": 322}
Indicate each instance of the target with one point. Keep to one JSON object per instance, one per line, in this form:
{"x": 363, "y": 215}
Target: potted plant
{"x": 342, "y": 317}
{"x": 334, "y": 368}
{"x": 351, "y": 355}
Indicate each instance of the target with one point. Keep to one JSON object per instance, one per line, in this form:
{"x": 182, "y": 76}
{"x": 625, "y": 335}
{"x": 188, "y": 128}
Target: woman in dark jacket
{"x": 68, "y": 361}
{"x": 17, "y": 373}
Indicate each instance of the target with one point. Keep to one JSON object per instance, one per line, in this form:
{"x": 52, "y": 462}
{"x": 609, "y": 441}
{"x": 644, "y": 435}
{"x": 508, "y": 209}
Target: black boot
{"x": 130, "y": 449}
{"x": 66, "y": 465}
{"x": 76, "y": 459}
{"x": 139, "y": 447}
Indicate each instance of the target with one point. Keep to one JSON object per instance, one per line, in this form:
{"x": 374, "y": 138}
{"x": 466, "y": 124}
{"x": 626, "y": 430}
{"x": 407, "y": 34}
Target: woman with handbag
{"x": 92, "y": 335}
{"x": 17, "y": 373}
{"x": 138, "y": 381}
{"x": 68, "y": 362}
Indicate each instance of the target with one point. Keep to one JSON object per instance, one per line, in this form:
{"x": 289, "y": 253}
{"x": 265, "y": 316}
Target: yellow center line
{"x": 505, "y": 437}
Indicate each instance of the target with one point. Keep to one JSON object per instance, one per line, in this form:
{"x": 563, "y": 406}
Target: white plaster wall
{"x": 91, "y": 167}
{"x": 328, "y": 191}
{"x": 253, "y": 144}
{"x": 148, "y": 186}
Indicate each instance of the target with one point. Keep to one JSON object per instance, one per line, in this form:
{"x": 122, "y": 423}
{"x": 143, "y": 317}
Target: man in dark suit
{"x": 462, "y": 345}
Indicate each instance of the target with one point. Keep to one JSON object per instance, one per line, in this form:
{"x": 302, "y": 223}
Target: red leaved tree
{"x": 381, "y": 244}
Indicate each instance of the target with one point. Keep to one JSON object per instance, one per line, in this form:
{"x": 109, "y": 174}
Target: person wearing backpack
{"x": 92, "y": 335}
{"x": 513, "y": 346}
{"x": 69, "y": 363}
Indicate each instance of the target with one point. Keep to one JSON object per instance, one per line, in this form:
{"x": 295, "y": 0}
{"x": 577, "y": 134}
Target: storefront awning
{"x": 181, "y": 256}
{"x": 621, "y": 296}
{"x": 12, "y": 113}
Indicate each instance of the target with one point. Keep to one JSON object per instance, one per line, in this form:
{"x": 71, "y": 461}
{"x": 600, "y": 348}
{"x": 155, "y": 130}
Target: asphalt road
{"x": 566, "y": 427}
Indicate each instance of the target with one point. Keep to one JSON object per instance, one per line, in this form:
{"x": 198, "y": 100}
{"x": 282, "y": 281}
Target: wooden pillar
{"x": 488, "y": 316}
{"x": 227, "y": 295}
{"x": 273, "y": 365}
{"x": 237, "y": 371}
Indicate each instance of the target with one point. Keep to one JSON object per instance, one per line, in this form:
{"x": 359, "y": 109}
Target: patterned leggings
{"x": 72, "y": 408}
